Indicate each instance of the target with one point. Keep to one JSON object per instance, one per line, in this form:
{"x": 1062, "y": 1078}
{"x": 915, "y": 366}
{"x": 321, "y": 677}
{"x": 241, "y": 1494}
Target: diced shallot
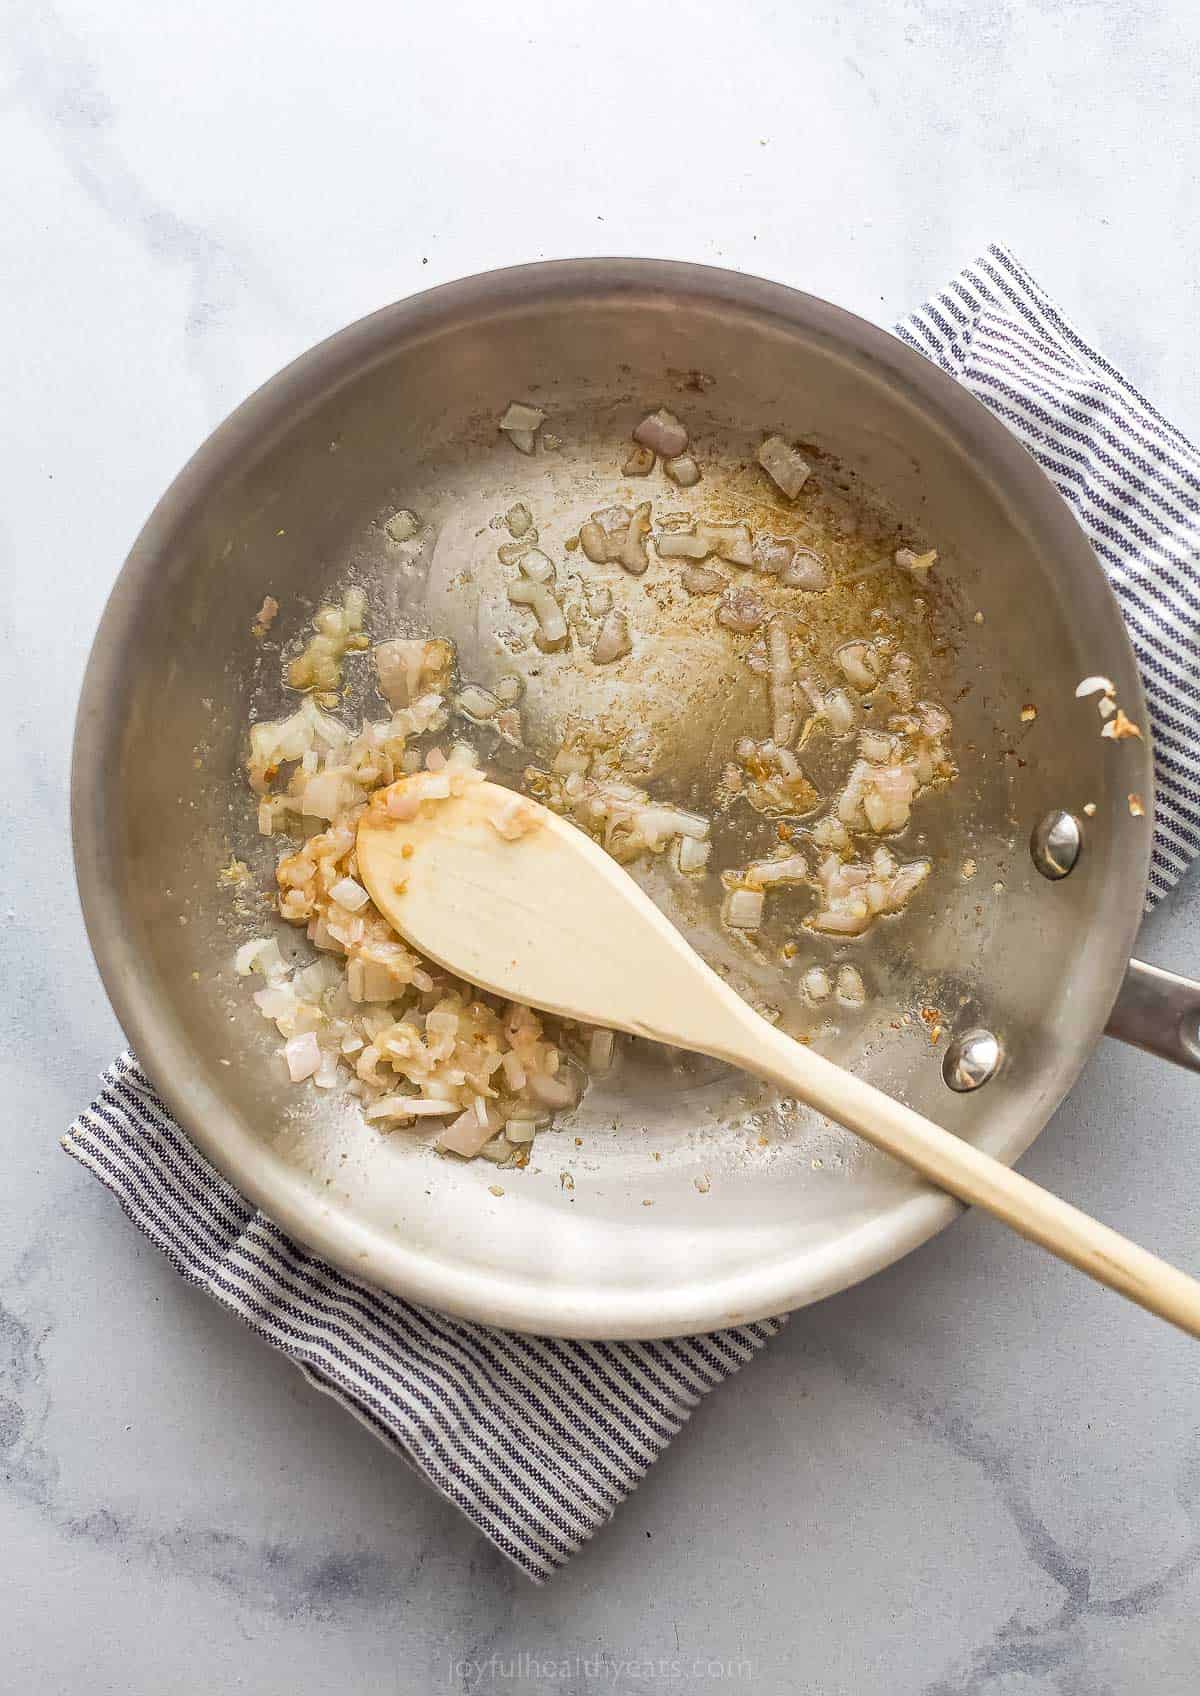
{"x": 303, "y": 1056}
{"x": 553, "y": 1092}
{"x": 411, "y": 1107}
{"x": 767, "y": 874}
{"x": 887, "y": 800}
{"x": 378, "y": 971}
{"x": 280, "y": 1004}
{"x": 730, "y": 542}
{"x": 775, "y": 780}
{"x": 640, "y": 462}
{"x": 785, "y": 720}
{"x": 904, "y": 883}
{"x": 521, "y": 424}
{"x": 816, "y": 984}
{"x": 693, "y": 854}
{"x": 877, "y": 797}
{"x": 273, "y": 742}
{"x": 854, "y": 894}
{"x": 313, "y": 980}
{"x": 511, "y": 553}
{"x": 327, "y": 793}
{"x": 1119, "y": 728}
{"x": 262, "y": 955}
{"x": 514, "y": 1071}
{"x": 600, "y": 1049}
{"x": 861, "y": 664}
{"x": 682, "y": 470}
{"x": 326, "y": 1074}
{"x": 663, "y": 433}
{"x": 741, "y": 610}
{"x": 1095, "y": 686}
{"x": 899, "y": 680}
{"x": 265, "y": 616}
{"x": 656, "y": 825}
{"x": 476, "y": 703}
{"x": 850, "y": 917}
{"x": 349, "y": 893}
{"x": 784, "y": 465}
{"x": 830, "y": 832}
{"x": 552, "y": 632}
{"x": 603, "y": 533}
{"x": 702, "y": 580}
{"x": 537, "y": 566}
{"x": 616, "y": 537}
{"x": 681, "y": 544}
{"x": 837, "y": 709}
{"x": 409, "y": 667}
{"x": 805, "y": 570}
{"x": 613, "y": 642}
{"x": 876, "y": 747}
{"x": 772, "y": 554}
{"x": 511, "y": 816}
{"x": 338, "y": 632}
{"x": 467, "y": 1136}
{"x": 918, "y": 565}
{"x": 744, "y": 909}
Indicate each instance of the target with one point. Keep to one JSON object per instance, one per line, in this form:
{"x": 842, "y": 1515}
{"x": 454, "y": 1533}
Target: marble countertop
{"x": 976, "y": 1475}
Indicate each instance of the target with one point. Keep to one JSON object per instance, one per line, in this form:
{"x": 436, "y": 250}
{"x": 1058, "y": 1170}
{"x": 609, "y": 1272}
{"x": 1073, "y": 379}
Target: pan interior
{"x": 756, "y": 1203}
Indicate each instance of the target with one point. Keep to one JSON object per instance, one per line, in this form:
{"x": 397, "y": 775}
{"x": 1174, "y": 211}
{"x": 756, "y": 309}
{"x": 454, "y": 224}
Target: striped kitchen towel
{"x": 537, "y": 1440}
{"x": 1133, "y": 480}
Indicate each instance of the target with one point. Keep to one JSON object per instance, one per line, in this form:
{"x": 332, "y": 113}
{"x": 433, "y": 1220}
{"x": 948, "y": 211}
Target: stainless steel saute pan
{"x": 1023, "y": 932}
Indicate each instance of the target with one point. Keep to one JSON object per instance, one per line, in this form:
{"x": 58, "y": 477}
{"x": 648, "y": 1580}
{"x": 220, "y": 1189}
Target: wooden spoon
{"x": 549, "y": 919}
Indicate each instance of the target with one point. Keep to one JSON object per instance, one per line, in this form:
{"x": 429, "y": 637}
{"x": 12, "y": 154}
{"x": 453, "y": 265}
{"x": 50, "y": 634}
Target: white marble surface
{"x": 974, "y": 1474}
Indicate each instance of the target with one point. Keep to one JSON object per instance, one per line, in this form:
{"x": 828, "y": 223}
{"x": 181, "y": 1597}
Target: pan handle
{"x": 1159, "y": 1012}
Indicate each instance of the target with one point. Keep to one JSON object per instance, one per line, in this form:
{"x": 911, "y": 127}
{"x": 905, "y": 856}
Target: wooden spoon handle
{"x": 971, "y": 1175}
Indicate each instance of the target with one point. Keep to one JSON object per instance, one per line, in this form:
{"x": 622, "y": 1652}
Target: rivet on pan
{"x": 1055, "y": 844}
{"x": 972, "y": 1059}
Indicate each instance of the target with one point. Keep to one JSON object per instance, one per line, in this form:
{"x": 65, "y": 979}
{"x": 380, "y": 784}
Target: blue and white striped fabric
{"x": 538, "y": 1441}
{"x": 1133, "y": 480}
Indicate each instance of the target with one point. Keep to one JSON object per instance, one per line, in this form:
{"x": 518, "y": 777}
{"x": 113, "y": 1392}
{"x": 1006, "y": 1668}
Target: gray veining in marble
{"x": 973, "y": 1476}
